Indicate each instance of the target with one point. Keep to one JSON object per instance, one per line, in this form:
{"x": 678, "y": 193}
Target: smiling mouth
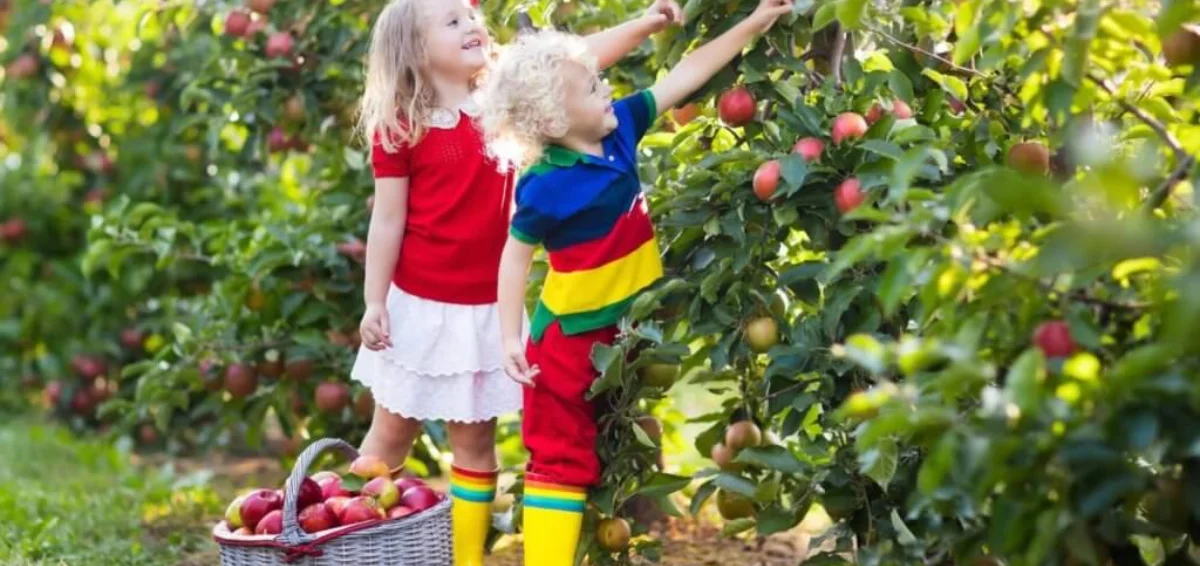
{"x": 473, "y": 44}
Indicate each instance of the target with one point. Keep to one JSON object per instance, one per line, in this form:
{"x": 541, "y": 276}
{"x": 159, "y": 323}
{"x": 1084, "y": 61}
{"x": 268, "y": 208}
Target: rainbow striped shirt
{"x": 590, "y": 214}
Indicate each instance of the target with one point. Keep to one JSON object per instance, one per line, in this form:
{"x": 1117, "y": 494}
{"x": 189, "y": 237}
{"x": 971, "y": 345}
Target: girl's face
{"x": 455, "y": 40}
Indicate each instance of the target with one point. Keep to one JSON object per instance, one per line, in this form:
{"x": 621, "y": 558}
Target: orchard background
{"x": 959, "y": 322}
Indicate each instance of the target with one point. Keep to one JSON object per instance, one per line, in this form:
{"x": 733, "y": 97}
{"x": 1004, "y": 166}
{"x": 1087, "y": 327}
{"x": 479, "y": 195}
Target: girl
{"x": 431, "y": 348}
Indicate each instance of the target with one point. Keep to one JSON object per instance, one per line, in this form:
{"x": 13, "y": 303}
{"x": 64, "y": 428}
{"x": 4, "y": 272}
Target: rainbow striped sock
{"x": 553, "y": 497}
{"x": 469, "y": 485}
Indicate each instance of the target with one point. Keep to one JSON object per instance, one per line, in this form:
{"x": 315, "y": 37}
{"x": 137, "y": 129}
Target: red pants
{"x": 559, "y": 424}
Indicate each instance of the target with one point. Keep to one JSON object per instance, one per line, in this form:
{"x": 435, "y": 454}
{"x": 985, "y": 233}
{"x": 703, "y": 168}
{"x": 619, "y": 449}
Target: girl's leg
{"x": 472, "y": 487}
{"x": 390, "y": 437}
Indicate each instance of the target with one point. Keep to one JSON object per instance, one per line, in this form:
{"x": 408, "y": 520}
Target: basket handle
{"x": 292, "y": 533}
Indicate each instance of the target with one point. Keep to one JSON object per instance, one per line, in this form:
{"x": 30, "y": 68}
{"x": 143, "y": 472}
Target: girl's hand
{"x": 374, "y": 328}
{"x": 768, "y": 11}
{"x": 664, "y": 13}
{"x": 515, "y": 364}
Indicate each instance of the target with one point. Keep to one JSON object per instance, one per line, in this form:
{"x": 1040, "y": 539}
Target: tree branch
{"x": 1078, "y": 294}
{"x": 1147, "y": 119}
{"x": 1159, "y": 195}
{"x": 956, "y": 68}
{"x": 835, "y": 58}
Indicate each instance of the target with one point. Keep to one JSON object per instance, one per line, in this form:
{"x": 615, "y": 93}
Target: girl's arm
{"x": 613, "y": 44}
{"x": 700, "y": 65}
{"x": 384, "y": 237}
{"x": 514, "y": 272}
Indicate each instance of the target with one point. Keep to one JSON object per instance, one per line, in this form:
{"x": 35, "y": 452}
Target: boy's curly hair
{"x": 525, "y": 94}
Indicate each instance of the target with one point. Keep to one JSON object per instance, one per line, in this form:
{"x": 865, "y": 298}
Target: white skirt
{"x": 444, "y": 363}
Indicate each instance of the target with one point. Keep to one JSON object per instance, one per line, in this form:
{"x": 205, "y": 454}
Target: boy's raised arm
{"x": 613, "y": 44}
{"x": 700, "y": 65}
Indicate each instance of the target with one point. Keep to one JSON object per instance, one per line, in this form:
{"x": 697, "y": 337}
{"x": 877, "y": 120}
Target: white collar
{"x": 447, "y": 118}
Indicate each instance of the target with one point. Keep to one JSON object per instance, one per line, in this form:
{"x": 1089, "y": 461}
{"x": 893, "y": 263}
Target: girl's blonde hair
{"x": 394, "y": 78}
{"x": 524, "y": 96}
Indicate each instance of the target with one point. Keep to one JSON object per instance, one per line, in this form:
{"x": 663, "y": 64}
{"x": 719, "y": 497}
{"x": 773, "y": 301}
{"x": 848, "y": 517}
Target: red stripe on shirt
{"x": 628, "y": 233}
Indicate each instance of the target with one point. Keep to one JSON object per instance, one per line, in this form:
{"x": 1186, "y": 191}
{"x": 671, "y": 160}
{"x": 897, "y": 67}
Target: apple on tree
{"x": 736, "y": 107}
{"x": 613, "y": 534}
{"x": 766, "y": 180}
{"x": 848, "y": 126}
{"x": 810, "y": 149}
{"x": 849, "y": 195}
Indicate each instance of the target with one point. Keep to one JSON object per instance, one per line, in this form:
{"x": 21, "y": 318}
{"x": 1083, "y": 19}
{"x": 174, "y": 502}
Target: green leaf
{"x": 824, "y": 16}
{"x": 900, "y": 84}
{"x": 794, "y": 171}
{"x": 775, "y": 519}
{"x": 884, "y": 148}
{"x": 952, "y": 85}
{"x": 937, "y": 465}
{"x": 661, "y": 484}
{"x": 866, "y": 351}
{"x": 736, "y": 484}
{"x": 737, "y": 526}
{"x": 703, "y": 493}
{"x": 850, "y": 12}
{"x": 904, "y": 536}
{"x": 354, "y": 159}
{"x": 879, "y": 463}
{"x": 1025, "y": 380}
{"x": 773, "y": 458}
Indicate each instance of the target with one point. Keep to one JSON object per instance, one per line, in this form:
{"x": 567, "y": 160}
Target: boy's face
{"x": 588, "y": 105}
{"x": 455, "y": 39}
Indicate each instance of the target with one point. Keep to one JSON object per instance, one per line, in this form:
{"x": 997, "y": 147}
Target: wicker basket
{"x": 422, "y": 539}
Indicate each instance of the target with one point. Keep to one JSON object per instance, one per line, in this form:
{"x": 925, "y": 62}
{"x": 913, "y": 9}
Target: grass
{"x": 81, "y": 501}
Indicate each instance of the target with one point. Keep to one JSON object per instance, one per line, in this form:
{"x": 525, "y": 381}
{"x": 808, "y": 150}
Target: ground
{"x": 76, "y": 502}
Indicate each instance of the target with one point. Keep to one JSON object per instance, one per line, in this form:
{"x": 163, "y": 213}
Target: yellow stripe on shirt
{"x": 613, "y": 282}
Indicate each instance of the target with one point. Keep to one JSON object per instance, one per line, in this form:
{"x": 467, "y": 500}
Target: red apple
{"x": 1029, "y": 157}
{"x": 24, "y": 66}
{"x": 316, "y": 518}
{"x": 332, "y": 397}
{"x": 53, "y": 393}
{"x": 369, "y": 467}
{"x": 257, "y": 25}
{"x": 337, "y": 504}
{"x": 956, "y": 106}
{"x": 685, "y": 114}
{"x": 261, "y": 6}
{"x": 323, "y": 475}
{"x": 131, "y": 338}
{"x": 874, "y": 114}
{"x": 277, "y": 140}
{"x": 299, "y": 370}
{"x": 257, "y": 505}
{"x": 383, "y": 490}
{"x": 271, "y": 524}
{"x": 360, "y": 509}
{"x": 88, "y": 367}
{"x": 240, "y": 381}
{"x": 399, "y": 512}
{"x": 848, "y": 126}
{"x": 419, "y": 498}
{"x": 766, "y": 180}
{"x": 406, "y": 483}
{"x": 809, "y": 148}
{"x": 310, "y": 493}
{"x": 901, "y": 109}
{"x": 237, "y": 23}
{"x": 13, "y": 231}
{"x": 331, "y": 487}
{"x": 736, "y": 107}
{"x": 1053, "y": 337}
{"x": 849, "y": 195}
{"x": 279, "y": 45}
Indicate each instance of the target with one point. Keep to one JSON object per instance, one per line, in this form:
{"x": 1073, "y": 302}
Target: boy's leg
{"x": 559, "y": 430}
{"x": 472, "y": 488}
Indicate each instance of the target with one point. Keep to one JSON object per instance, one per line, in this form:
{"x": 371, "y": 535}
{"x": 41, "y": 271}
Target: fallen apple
{"x": 359, "y": 510}
{"x": 257, "y": 505}
{"x": 419, "y": 498}
{"x": 316, "y": 518}
{"x": 271, "y": 524}
{"x": 383, "y": 490}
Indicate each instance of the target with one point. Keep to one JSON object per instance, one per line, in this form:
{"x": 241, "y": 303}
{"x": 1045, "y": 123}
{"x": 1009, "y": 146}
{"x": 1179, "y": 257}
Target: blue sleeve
{"x": 531, "y": 223}
{"x": 635, "y": 113}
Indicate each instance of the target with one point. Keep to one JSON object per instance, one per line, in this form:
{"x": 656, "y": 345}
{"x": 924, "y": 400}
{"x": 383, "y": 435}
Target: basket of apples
{"x": 362, "y": 519}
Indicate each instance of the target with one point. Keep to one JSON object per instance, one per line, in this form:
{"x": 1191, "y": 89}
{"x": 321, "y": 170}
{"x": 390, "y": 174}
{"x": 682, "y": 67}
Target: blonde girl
{"x": 431, "y": 347}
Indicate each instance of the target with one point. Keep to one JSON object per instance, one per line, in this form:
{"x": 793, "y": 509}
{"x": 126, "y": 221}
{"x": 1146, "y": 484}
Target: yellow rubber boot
{"x": 472, "y": 494}
{"x": 553, "y": 520}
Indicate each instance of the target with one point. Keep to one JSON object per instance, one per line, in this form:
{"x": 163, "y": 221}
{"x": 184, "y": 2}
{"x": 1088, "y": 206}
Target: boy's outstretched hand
{"x": 768, "y": 11}
{"x": 665, "y": 13}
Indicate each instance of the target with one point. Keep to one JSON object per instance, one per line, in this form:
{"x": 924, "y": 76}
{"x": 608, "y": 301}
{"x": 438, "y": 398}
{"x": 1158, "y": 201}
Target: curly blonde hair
{"x": 398, "y": 99}
{"x": 525, "y": 94}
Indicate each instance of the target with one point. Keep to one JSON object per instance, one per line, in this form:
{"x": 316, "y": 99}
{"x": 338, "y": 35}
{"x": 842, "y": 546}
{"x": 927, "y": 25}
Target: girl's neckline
{"x": 448, "y": 118}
